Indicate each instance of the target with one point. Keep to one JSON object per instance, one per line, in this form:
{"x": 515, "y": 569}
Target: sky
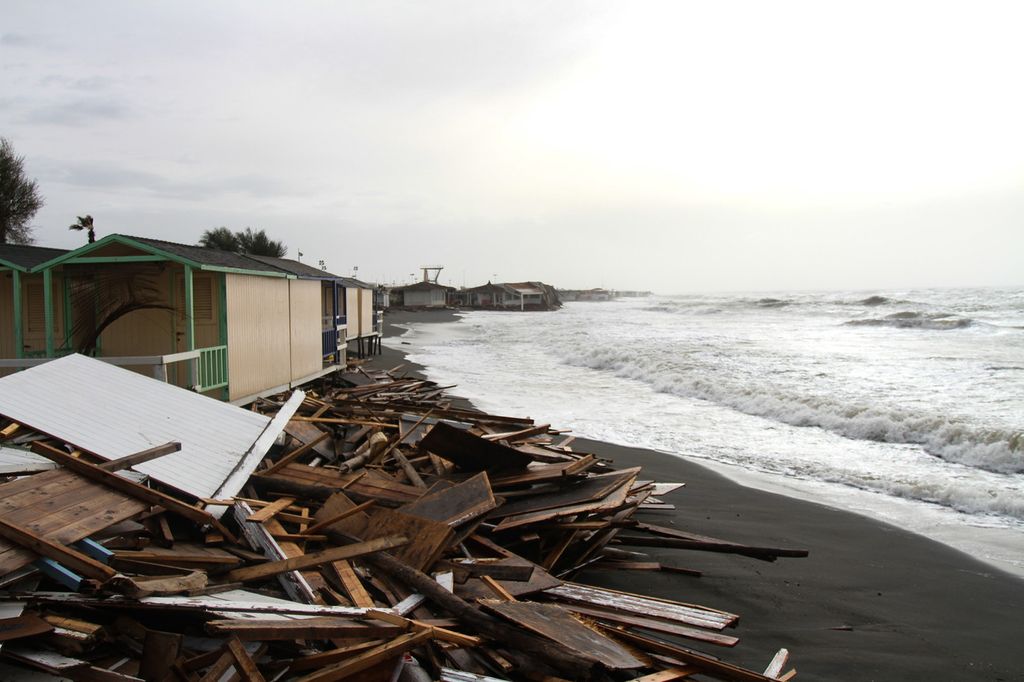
{"x": 666, "y": 146}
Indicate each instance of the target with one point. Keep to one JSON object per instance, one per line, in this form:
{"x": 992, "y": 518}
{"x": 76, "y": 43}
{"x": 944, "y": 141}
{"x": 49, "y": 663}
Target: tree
{"x": 251, "y": 242}
{"x": 19, "y": 197}
{"x": 219, "y": 238}
{"x": 259, "y": 244}
{"x": 84, "y": 224}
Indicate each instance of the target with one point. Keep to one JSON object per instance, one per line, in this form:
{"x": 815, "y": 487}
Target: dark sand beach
{"x": 871, "y": 602}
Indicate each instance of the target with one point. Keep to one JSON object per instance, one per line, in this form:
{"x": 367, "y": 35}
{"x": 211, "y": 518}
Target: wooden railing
{"x": 211, "y": 368}
{"x": 209, "y": 365}
{"x": 330, "y": 342}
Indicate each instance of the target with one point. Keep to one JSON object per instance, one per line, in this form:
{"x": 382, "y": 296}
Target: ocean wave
{"x": 995, "y": 450}
{"x": 873, "y": 300}
{"x": 915, "y": 320}
{"x": 772, "y": 303}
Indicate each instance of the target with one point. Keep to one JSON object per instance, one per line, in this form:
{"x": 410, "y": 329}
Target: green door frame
{"x": 19, "y": 331}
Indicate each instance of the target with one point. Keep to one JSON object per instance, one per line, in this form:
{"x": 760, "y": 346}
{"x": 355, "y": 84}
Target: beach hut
{"x": 532, "y": 296}
{"x": 423, "y": 295}
{"x": 364, "y": 322}
{"x": 221, "y": 323}
{"x": 487, "y": 296}
{"x": 22, "y": 313}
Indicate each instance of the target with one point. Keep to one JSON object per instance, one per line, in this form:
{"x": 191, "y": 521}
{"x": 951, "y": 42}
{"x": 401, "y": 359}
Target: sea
{"x": 904, "y": 406}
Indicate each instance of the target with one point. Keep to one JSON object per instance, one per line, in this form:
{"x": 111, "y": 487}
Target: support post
{"x": 48, "y": 310}
{"x": 222, "y": 326}
{"x": 67, "y": 310}
{"x": 19, "y": 330}
{"x": 190, "y": 323}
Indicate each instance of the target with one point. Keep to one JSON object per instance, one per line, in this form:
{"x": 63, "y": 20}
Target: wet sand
{"x": 871, "y": 602}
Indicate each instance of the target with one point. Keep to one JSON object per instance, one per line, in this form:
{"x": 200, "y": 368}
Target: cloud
{"x": 84, "y": 84}
{"x": 19, "y": 40}
{"x": 112, "y": 178}
{"x": 76, "y": 113}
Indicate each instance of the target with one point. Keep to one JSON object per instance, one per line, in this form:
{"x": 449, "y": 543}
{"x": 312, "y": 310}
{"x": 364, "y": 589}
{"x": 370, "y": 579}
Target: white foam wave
{"x": 916, "y": 320}
{"x": 995, "y": 450}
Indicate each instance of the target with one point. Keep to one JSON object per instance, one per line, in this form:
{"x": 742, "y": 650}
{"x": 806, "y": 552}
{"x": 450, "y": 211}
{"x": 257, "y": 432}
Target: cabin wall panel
{"x": 259, "y": 334}
{"x": 306, "y": 319}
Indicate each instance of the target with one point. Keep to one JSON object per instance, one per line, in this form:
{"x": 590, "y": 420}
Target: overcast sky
{"x": 676, "y": 146}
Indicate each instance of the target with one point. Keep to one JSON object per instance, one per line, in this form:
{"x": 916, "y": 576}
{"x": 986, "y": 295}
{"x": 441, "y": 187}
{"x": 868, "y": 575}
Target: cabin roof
{"x": 424, "y": 286}
{"x": 295, "y": 267}
{"x": 24, "y": 257}
{"x": 199, "y": 257}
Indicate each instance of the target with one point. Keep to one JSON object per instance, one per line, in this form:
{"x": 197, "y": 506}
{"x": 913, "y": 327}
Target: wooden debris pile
{"x": 392, "y": 533}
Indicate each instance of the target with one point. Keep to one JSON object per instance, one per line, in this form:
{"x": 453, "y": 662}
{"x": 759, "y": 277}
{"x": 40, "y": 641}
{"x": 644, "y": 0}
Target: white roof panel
{"x": 15, "y": 461}
{"x": 113, "y": 412}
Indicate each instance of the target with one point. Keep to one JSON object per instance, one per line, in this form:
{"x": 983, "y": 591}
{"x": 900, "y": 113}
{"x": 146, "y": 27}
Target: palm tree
{"x": 84, "y": 224}
{"x": 220, "y": 238}
{"x": 259, "y": 244}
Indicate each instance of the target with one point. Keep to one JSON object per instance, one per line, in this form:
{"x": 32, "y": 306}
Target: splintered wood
{"x": 392, "y": 527}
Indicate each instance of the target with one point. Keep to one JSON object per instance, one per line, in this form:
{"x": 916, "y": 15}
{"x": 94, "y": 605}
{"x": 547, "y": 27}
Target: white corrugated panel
{"x": 113, "y": 412}
{"x": 15, "y": 461}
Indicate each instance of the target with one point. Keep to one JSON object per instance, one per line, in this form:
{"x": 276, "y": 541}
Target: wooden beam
{"x": 352, "y": 585}
{"x": 296, "y": 453}
{"x": 243, "y": 663}
{"x": 705, "y": 664}
{"x": 260, "y": 571}
{"x": 304, "y": 628}
{"x": 130, "y": 488}
{"x": 140, "y": 457}
{"x": 496, "y": 588}
{"x": 268, "y": 512}
{"x": 369, "y": 658}
{"x": 319, "y": 660}
{"x": 76, "y": 561}
{"x": 339, "y": 517}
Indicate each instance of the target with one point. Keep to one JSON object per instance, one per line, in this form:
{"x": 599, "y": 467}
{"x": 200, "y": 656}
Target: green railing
{"x": 207, "y": 367}
{"x": 211, "y": 368}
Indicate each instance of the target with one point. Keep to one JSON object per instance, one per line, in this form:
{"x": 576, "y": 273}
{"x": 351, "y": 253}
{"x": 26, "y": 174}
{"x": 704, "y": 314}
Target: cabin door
{"x": 33, "y": 313}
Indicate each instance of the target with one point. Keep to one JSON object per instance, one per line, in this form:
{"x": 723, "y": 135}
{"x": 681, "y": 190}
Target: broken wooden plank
{"x": 260, "y": 571}
{"x": 74, "y": 560}
{"x": 141, "y": 457}
{"x": 319, "y": 627}
{"x": 649, "y": 623}
{"x": 456, "y": 504}
{"x": 270, "y": 510}
{"x": 127, "y": 487}
{"x": 707, "y": 665}
{"x": 428, "y": 539}
{"x": 369, "y": 658}
{"x": 554, "y": 622}
{"x": 472, "y": 453}
{"x": 647, "y": 606}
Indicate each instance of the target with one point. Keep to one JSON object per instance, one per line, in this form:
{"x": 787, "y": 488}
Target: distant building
{"x": 598, "y": 294}
{"x": 486, "y": 296}
{"x": 421, "y": 295}
{"x": 509, "y": 296}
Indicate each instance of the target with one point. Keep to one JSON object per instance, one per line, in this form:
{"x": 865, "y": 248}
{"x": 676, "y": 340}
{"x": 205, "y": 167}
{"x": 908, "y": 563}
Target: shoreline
{"x": 871, "y": 602}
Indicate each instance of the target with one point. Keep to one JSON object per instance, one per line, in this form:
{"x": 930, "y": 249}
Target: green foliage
{"x": 252, "y": 242}
{"x": 19, "y": 197}
{"x": 220, "y": 238}
{"x": 86, "y": 224}
{"x": 259, "y": 244}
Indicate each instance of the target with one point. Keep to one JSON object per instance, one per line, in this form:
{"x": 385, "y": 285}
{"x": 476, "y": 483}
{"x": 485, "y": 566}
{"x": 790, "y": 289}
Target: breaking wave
{"x": 953, "y": 440}
{"x": 915, "y": 320}
{"x": 772, "y": 303}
